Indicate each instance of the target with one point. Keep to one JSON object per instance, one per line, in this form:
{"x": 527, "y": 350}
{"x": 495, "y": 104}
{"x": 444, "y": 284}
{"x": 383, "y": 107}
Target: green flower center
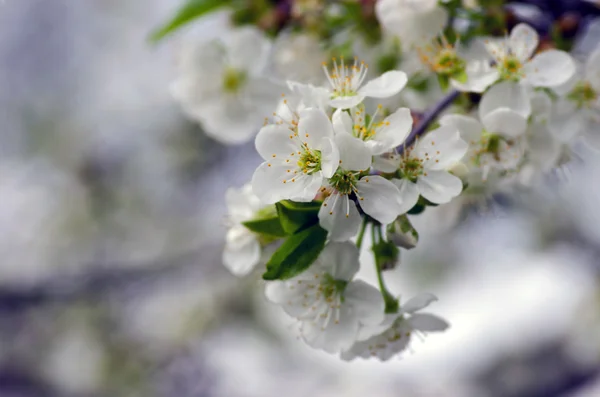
{"x": 411, "y": 168}
{"x": 510, "y": 68}
{"x": 330, "y": 286}
{"x": 310, "y": 161}
{"x": 448, "y": 63}
{"x": 344, "y": 181}
{"x": 233, "y": 80}
{"x": 583, "y": 94}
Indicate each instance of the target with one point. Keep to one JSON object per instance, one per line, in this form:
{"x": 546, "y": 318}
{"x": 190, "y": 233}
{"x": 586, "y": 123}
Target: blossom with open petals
{"x": 298, "y": 158}
{"x": 394, "y": 334}
{"x": 222, "y": 84}
{"x": 330, "y": 306}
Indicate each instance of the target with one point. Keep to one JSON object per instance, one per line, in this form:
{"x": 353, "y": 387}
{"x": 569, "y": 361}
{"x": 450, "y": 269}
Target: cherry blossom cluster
{"x": 353, "y": 152}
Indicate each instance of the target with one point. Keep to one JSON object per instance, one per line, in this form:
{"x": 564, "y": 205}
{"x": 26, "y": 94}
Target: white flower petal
{"x": 409, "y": 193}
{"x": 342, "y": 258}
{"x": 269, "y": 186}
{"x": 439, "y": 186}
{"x": 242, "y": 251}
{"x": 506, "y": 94}
{"x": 314, "y": 125}
{"x": 275, "y": 140}
{"x": 549, "y": 69}
{"x": 388, "y": 84}
{"x": 247, "y": 49}
{"x": 428, "y": 323}
{"x": 379, "y": 198}
{"x": 311, "y": 96}
{"x": 480, "y": 75}
{"x": 392, "y": 133}
{"x": 366, "y": 302}
{"x": 330, "y": 157}
{"x": 470, "y": 129}
{"x": 346, "y": 102}
{"x": 497, "y": 48}
{"x": 354, "y": 154}
{"x": 339, "y": 216}
{"x": 418, "y": 302}
{"x": 505, "y": 122}
{"x": 592, "y": 69}
{"x": 330, "y": 335}
{"x": 242, "y": 204}
{"x": 523, "y": 41}
{"x": 342, "y": 122}
{"x": 388, "y": 162}
{"x": 441, "y": 148}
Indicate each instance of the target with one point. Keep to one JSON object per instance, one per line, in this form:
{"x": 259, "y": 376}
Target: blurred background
{"x": 112, "y": 224}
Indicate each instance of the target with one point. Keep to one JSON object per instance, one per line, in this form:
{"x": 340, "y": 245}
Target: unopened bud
{"x": 402, "y": 233}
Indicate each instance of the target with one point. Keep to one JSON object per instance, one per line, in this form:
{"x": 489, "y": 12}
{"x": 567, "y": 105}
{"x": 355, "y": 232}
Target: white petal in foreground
{"x": 523, "y": 41}
{"x": 388, "y": 84}
{"x": 506, "y": 94}
{"x": 379, "y": 198}
{"x": 439, "y": 186}
{"x": 339, "y": 216}
{"x": 354, "y": 154}
{"x": 549, "y": 69}
{"x": 409, "y": 193}
{"x": 505, "y": 122}
{"x": 418, "y": 302}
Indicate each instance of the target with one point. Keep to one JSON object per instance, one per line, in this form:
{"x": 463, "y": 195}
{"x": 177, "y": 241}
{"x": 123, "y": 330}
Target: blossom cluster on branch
{"x": 353, "y": 151}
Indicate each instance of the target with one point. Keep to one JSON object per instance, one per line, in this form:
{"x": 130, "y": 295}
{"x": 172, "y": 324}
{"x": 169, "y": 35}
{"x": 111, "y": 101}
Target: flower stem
{"x": 391, "y": 303}
{"x": 428, "y": 118}
{"x": 361, "y": 233}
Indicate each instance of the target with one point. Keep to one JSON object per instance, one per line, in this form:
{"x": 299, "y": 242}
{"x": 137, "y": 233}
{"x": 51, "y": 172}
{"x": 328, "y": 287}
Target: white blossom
{"x": 422, "y": 169}
{"x": 297, "y": 158}
{"x": 331, "y": 307}
{"x": 513, "y": 60}
{"x": 222, "y": 84}
{"x": 413, "y": 21}
{"x": 346, "y": 88}
{"x": 379, "y": 136}
{"x": 394, "y": 334}
{"x": 242, "y": 247}
{"x": 577, "y": 113}
{"x": 377, "y": 196}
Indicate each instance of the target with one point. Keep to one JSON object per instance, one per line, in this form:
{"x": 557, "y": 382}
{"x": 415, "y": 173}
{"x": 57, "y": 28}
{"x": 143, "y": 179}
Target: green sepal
{"x": 190, "y": 11}
{"x": 295, "y": 216}
{"x": 444, "y": 82}
{"x": 461, "y": 76}
{"x": 386, "y": 254}
{"x": 268, "y": 226}
{"x": 296, "y": 254}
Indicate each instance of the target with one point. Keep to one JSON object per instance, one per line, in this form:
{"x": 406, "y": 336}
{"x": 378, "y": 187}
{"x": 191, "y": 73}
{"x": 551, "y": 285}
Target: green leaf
{"x": 269, "y": 226}
{"x": 191, "y": 10}
{"x": 444, "y": 82}
{"x": 296, "y": 254}
{"x": 297, "y": 216}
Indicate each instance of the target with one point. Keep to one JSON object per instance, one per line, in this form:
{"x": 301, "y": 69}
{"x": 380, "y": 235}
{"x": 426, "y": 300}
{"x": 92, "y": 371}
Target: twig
{"x": 428, "y": 118}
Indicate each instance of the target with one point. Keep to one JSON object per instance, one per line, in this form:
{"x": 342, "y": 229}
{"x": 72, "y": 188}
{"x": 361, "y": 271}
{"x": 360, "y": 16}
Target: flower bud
{"x": 402, "y": 233}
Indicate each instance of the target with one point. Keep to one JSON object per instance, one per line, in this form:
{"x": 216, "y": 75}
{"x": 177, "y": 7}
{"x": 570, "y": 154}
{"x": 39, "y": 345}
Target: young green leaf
{"x": 297, "y": 216}
{"x": 296, "y": 254}
{"x": 268, "y": 226}
{"x": 191, "y": 10}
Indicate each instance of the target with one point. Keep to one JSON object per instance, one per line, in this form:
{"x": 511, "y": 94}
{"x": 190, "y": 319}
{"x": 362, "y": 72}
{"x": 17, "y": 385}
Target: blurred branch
{"x": 428, "y": 118}
{"x": 103, "y": 279}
